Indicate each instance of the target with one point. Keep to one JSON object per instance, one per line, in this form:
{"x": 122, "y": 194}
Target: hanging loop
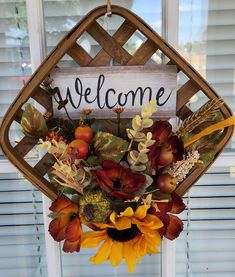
{"x": 109, "y": 8}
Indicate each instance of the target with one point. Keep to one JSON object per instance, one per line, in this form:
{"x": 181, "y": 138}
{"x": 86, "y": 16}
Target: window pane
{"x": 60, "y": 17}
{"x": 22, "y": 246}
{"x": 15, "y": 66}
{"x": 207, "y": 41}
{"x": 207, "y": 245}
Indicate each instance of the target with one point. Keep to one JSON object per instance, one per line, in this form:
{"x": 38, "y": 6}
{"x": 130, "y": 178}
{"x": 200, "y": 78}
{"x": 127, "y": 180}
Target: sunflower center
{"x": 117, "y": 184}
{"x": 123, "y": 235}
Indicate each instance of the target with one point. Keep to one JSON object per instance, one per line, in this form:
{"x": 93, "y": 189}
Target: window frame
{"x": 37, "y": 44}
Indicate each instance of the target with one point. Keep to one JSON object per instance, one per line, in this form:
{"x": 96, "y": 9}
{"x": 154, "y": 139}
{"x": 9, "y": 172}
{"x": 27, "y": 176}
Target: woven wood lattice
{"x": 111, "y": 48}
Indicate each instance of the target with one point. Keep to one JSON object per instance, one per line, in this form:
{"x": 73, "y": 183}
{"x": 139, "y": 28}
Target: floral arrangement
{"x": 121, "y": 186}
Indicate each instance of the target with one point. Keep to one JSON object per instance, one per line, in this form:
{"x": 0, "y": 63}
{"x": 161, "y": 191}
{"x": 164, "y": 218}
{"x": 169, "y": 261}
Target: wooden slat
{"x": 109, "y": 44}
{"x": 44, "y": 164}
{"x": 172, "y": 63}
{"x": 143, "y": 53}
{"x": 18, "y": 116}
{"x": 186, "y": 92}
{"x": 189, "y": 181}
{"x": 43, "y": 98}
{"x": 184, "y": 112}
{"x": 25, "y": 145}
{"x": 77, "y": 53}
{"x": 121, "y": 36}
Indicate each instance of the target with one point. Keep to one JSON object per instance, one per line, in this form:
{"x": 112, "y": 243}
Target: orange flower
{"x": 118, "y": 110}
{"x": 66, "y": 225}
{"x": 87, "y": 111}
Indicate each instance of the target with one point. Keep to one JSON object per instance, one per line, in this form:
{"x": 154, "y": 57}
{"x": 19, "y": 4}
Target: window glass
{"x": 15, "y": 66}
{"x": 22, "y": 247}
{"x": 207, "y": 41}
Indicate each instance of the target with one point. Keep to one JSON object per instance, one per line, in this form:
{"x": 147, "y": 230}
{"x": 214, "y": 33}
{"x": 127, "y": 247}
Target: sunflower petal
{"x": 151, "y": 249}
{"x": 92, "y": 243}
{"x": 156, "y": 222}
{"x": 153, "y": 239}
{"x": 123, "y": 223}
{"x": 112, "y": 217}
{"x": 116, "y": 254}
{"x": 92, "y": 239}
{"x": 141, "y": 247}
{"x": 141, "y": 211}
{"x": 146, "y": 230}
{"x": 129, "y": 255}
{"x": 103, "y": 252}
{"x": 128, "y": 212}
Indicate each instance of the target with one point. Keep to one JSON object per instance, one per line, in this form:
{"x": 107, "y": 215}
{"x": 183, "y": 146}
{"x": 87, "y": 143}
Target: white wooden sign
{"x": 104, "y": 88}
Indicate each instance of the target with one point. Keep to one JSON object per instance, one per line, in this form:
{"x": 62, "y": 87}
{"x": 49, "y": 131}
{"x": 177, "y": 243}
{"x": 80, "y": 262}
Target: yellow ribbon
{"x": 215, "y": 127}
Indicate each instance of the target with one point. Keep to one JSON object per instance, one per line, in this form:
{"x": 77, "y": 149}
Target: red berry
{"x": 166, "y": 183}
{"x": 78, "y": 148}
{"x": 84, "y": 133}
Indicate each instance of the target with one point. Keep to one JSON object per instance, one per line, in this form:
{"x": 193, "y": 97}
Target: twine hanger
{"x": 109, "y": 8}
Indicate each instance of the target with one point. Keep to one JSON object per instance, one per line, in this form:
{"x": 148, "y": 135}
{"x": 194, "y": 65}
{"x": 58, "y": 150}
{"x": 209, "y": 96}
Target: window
{"x": 207, "y": 41}
{"x": 22, "y": 245}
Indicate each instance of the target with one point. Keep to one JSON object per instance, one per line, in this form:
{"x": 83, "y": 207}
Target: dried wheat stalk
{"x": 206, "y": 112}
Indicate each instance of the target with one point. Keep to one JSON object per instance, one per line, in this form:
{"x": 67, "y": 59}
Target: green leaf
{"x": 109, "y": 147}
{"x": 92, "y": 161}
{"x": 33, "y": 123}
{"x": 158, "y": 195}
{"x": 207, "y": 158}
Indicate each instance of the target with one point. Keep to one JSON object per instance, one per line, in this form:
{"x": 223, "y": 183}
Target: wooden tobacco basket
{"x": 112, "y": 48}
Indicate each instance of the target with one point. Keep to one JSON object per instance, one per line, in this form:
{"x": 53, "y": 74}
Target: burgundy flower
{"x": 119, "y": 181}
{"x": 167, "y": 148}
{"x": 166, "y": 212}
{"x": 161, "y": 130}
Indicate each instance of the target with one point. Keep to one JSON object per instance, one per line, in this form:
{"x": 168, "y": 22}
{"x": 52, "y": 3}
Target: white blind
{"x": 207, "y": 245}
{"x": 15, "y": 64}
{"x": 60, "y": 17}
{"x": 22, "y": 247}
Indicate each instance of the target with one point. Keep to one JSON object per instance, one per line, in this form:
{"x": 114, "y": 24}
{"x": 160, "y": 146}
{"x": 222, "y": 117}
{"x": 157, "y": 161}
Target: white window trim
{"x": 37, "y": 47}
{"x": 170, "y": 19}
{"x": 38, "y": 52}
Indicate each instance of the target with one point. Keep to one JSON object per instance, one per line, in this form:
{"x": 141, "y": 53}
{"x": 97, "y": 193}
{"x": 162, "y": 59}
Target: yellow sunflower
{"x": 128, "y": 236}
